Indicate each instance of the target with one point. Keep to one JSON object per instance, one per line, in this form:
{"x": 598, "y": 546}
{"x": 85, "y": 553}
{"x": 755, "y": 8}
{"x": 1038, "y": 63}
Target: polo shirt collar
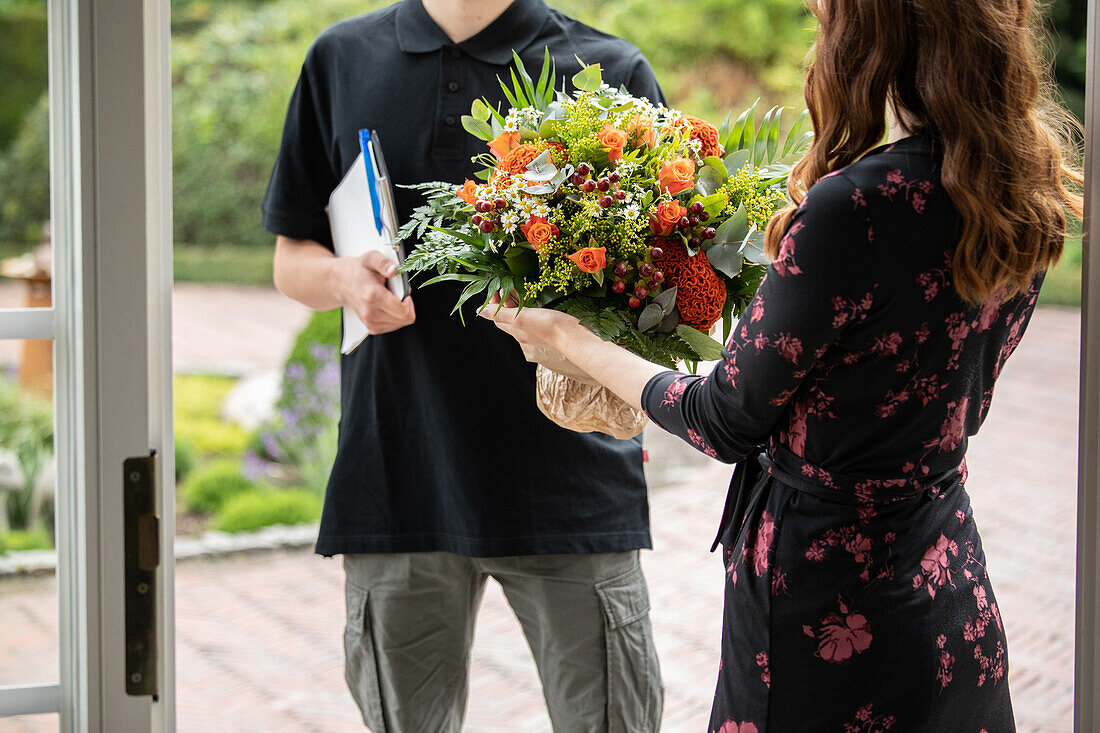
{"x": 516, "y": 28}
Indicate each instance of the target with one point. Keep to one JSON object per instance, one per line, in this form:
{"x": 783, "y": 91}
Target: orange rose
{"x": 468, "y": 192}
{"x": 503, "y": 143}
{"x": 614, "y": 140}
{"x": 538, "y": 231}
{"x": 676, "y": 175}
{"x": 641, "y": 132}
{"x": 668, "y": 215}
{"x": 590, "y": 259}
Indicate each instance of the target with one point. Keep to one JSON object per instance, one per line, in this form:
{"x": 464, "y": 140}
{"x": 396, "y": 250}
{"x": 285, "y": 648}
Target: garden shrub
{"x": 265, "y": 507}
{"x": 309, "y": 400}
{"x": 26, "y": 429}
{"x": 20, "y": 540}
{"x": 186, "y": 455}
{"x": 198, "y": 401}
{"x": 211, "y": 486}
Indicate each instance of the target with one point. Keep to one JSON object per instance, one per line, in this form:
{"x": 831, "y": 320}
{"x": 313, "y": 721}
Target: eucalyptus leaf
{"x": 480, "y": 111}
{"x": 670, "y": 321}
{"x": 736, "y": 160}
{"x": 719, "y": 167}
{"x": 542, "y": 168}
{"x": 735, "y": 229}
{"x": 478, "y": 128}
{"x": 753, "y": 248}
{"x": 707, "y": 348}
{"x": 589, "y": 79}
{"x": 709, "y": 181}
{"x": 726, "y": 258}
{"x": 650, "y": 318}
{"x": 666, "y": 300}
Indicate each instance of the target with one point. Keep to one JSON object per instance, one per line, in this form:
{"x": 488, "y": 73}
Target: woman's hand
{"x": 532, "y": 326}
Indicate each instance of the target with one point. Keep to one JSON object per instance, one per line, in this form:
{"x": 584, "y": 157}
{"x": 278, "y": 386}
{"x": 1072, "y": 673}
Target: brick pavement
{"x": 260, "y": 636}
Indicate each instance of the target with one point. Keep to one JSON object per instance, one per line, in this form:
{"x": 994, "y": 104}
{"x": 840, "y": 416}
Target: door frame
{"x": 1087, "y": 658}
{"x": 110, "y": 208}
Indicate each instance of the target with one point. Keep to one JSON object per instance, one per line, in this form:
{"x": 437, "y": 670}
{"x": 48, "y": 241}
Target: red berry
{"x": 614, "y": 176}
{"x": 603, "y": 184}
{"x": 498, "y": 221}
{"x": 584, "y": 169}
{"x": 606, "y": 201}
{"x": 658, "y": 277}
{"x": 704, "y": 216}
{"x": 645, "y": 269}
{"x": 634, "y": 302}
{"x": 487, "y": 226}
{"x": 577, "y": 180}
{"x": 710, "y": 233}
{"x": 693, "y": 221}
{"x": 620, "y": 195}
{"x": 620, "y": 269}
{"x": 640, "y": 291}
{"x": 684, "y": 222}
{"x": 476, "y": 220}
{"x": 697, "y": 208}
{"x": 589, "y": 186}
{"x": 656, "y": 251}
{"x": 695, "y": 242}
{"x": 618, "y": 287}
{"x": 500, "y": 203}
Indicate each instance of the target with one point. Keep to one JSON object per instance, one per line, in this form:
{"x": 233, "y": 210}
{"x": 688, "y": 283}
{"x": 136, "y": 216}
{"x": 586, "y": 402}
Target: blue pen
{"x": 372, "y": 179}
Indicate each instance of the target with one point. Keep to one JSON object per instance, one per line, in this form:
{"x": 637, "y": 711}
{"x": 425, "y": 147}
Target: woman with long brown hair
{"x": 857, "y": 597}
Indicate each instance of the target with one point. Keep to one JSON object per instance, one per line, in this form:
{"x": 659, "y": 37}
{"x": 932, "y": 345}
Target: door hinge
{"x": 142, "y": 552}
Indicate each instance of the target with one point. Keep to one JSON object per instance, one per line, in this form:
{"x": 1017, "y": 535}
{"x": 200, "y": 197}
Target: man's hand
{"x": 362, "y": 287}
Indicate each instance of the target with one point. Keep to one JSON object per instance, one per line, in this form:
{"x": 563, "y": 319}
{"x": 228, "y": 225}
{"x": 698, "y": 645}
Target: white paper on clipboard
{"x": 354, "y": 233}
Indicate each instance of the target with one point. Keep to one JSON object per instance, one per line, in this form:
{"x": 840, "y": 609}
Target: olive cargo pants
{"x": 410, "y": 626}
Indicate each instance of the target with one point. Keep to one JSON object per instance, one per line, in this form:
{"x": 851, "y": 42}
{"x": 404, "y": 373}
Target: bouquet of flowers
{"x": 643, "y": 222}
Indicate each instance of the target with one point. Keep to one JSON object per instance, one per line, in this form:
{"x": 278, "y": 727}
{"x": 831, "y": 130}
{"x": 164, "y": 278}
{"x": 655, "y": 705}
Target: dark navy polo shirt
{"x": 441, "y": 445}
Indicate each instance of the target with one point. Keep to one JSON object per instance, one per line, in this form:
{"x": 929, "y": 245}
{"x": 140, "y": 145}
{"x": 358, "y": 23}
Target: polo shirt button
{"x": 452, "y": 87}
{"x": 450, "y": 120}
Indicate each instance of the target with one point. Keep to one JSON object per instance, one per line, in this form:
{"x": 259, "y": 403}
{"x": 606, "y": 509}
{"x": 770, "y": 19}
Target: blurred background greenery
{"x": 235, "y": 61}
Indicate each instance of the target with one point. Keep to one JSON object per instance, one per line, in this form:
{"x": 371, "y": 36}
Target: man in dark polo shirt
{"x": 446, "y": 472}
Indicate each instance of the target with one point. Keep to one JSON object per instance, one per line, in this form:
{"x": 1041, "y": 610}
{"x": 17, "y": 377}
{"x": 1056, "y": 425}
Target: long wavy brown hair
{"x": 972, "y": 74}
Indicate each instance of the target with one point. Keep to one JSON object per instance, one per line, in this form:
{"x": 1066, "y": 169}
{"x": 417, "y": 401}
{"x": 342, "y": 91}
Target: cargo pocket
{"x": 634, "y": 694}
{"x": 360, "y": 661}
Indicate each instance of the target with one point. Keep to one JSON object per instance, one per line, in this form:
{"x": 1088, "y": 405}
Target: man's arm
{"x": 311, "y": 274}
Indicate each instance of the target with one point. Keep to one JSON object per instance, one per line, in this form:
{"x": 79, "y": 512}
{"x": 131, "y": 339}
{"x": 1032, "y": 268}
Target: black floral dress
{"x": 857, "y": 597}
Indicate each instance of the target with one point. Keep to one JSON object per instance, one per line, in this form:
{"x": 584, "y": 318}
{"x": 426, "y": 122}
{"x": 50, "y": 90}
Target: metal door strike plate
{"x": 142, "y": 550}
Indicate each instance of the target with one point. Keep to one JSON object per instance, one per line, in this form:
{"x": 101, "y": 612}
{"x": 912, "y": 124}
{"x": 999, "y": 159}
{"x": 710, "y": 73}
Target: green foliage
{"x": 231, "y": 80}
{"x": 301, "y": 436}
{"x": 1067, "y": 22}
{"x": 21, "y": 540}
{"x": 198, "y": 401}
{"x": 211, "y": 486}
{"x": 186, "y": 457}
{"x": 225, "y": 263}
{"x": 25, "y": 180}
{"x": 323, "y": 327}
{"x": 1062, "y": 285}
{"x": 26, "y": 429}
{"x": 22, "y": 64}
{"x": 262, "y": 508}
{"x": 314, "y": 471}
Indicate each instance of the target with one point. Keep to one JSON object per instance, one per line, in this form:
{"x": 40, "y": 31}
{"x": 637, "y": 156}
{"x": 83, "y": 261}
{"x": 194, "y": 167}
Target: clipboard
{"x": 363, "y": 216}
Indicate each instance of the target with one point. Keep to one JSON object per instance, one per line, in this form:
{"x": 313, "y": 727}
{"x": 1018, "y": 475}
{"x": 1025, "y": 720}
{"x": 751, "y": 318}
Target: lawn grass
{"x": 224, "y": 263}
{"x": 1062, "y": 285}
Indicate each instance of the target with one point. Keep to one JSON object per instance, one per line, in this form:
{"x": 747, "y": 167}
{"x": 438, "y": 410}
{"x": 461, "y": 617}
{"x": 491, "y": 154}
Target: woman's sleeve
{"x": 818, "y": 284}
